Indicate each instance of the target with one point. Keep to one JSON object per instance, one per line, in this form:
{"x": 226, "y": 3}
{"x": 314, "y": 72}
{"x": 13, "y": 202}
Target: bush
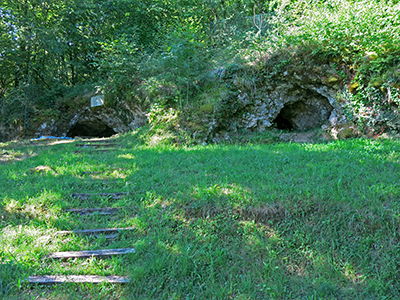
{"x": 361, "y": 37}
{"x": 350, "y": 30}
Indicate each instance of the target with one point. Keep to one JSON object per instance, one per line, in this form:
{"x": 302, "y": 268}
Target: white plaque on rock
{"x": 97, "y": 101}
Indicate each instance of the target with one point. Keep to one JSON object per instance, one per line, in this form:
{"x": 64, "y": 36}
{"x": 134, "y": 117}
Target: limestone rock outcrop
{"x": 100, "y": 121}
{"x": 292, "y": 99}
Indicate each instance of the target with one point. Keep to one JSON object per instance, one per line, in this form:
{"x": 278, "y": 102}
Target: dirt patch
{"x": 261, "y": 214}
{"x": 43, "y": 170}
{"x": 264, "y": 214}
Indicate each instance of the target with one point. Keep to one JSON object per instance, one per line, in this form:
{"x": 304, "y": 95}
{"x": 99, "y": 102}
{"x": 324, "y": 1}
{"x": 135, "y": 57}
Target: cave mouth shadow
{"x": 283, "y": 122}
{"x": 92, "y": 128}
{"x": 303, "y": 116}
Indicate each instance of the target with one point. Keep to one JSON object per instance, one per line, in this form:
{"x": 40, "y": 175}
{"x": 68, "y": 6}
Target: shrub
{"x": 362, "y": 37}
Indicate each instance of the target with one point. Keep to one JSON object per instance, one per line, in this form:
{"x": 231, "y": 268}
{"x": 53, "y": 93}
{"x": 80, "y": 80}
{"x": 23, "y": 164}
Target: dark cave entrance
{"x": 282, "y": 121}
{"x": 93, "y": 128}
{"x": 303, "y": 115}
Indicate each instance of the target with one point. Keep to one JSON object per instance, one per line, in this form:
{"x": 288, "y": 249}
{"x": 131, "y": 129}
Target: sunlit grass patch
{"x": 28, "y": 211}
{"x": 226, "y": 194}
{"x": 26, "y": 244}
{"x": 262, "y": 221}
{"x": 126, "y": 156}
{"x": 7, "y": 155}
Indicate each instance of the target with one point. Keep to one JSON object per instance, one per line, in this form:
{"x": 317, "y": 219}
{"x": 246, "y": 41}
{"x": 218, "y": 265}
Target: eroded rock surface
{"x": 101, "y": 121}
{"x": 295, "y": 98}
{"x": 303, "y": 115}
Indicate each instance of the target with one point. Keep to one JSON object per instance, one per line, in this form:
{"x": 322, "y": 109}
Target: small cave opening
{"x": 93, "y": 128}
{"x": 282, "y": 121}
{"x": 303, "y": 115}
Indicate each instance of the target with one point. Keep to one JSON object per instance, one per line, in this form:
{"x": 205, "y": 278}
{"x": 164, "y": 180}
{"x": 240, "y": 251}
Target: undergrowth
{"x": 180, "y": 69}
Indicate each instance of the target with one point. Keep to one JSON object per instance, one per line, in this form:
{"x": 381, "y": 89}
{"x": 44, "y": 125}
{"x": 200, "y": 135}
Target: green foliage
{"x": 374, "y": 110}
{"x": 180, "y": 66}
{"x": 362, "y": 38}
{"x": 365, "y": 33}
{"x": 163, "y": 51}
{"x": 130, "y": 48}
{"x": 164, "y": 128}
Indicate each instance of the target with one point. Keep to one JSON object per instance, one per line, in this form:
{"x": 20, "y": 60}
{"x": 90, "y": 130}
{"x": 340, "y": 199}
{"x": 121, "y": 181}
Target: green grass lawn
{"x": 269, "y": 221}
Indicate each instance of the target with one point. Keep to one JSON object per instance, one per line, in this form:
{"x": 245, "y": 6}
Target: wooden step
{"x": 98, "y": 141}
{"x": 91, "y": 253}
{"x": 94, "y": 231}
{"x": 109, "y": 169}
{"x": 103, "y": 184}
{"x": 101, "y": 172}
{"x": 93, "y": 172}
{"x": 77, "y": 279}
{"x": 86, "y": 196}
{"x": 96, "y": 145}
{"x": 95, "y": 150}
{"x": 94, "y": 211}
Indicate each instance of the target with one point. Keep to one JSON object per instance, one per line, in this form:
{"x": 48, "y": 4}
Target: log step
{"x": 98, "y": 141}
{"x": 96, "y": 144}
{"x": 100, "y": 172}
{"x": 104, "y": 171}
{"x": 86, "y": 196}
{"x": 77, "y": 279}
{"x": 111, "y": 236}
{"x": 91, "y": 253}
{"x": 95, "y": 150}
{"x": 94, "y": 211}
{"x": 94, "y": 231}
{"x": 93, "y": 173}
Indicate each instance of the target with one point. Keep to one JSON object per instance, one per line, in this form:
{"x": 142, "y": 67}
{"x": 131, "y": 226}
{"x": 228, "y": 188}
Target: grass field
{"x": 276, "y": 221}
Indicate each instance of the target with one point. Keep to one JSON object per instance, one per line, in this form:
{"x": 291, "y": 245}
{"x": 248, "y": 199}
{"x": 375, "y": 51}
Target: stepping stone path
{"x": 108, "y": 233}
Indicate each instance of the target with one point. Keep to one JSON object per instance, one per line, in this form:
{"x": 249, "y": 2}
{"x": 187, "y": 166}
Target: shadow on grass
{"x": 270, "y": 221}
{"x": 328, "y": 206}
{"x": 11, "y": 273}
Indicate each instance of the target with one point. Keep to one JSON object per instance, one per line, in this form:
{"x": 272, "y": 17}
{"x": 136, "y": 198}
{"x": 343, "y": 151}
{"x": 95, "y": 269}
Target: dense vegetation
{"x": 52, "y": 50}
{"x": 160, "y": 53}
{"x": 250, "y": 218}
{"x": 277, "y": 221}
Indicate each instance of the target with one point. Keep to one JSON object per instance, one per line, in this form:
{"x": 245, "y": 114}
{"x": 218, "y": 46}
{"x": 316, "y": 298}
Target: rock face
{"x": 101, "y": 121}
{"x": 105, "y": 121}
{"x": 292, "y": 98}
{"x": 93, "y": 126}
{"x": 303, "y": 115}
{"x": 47, "y": 128}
